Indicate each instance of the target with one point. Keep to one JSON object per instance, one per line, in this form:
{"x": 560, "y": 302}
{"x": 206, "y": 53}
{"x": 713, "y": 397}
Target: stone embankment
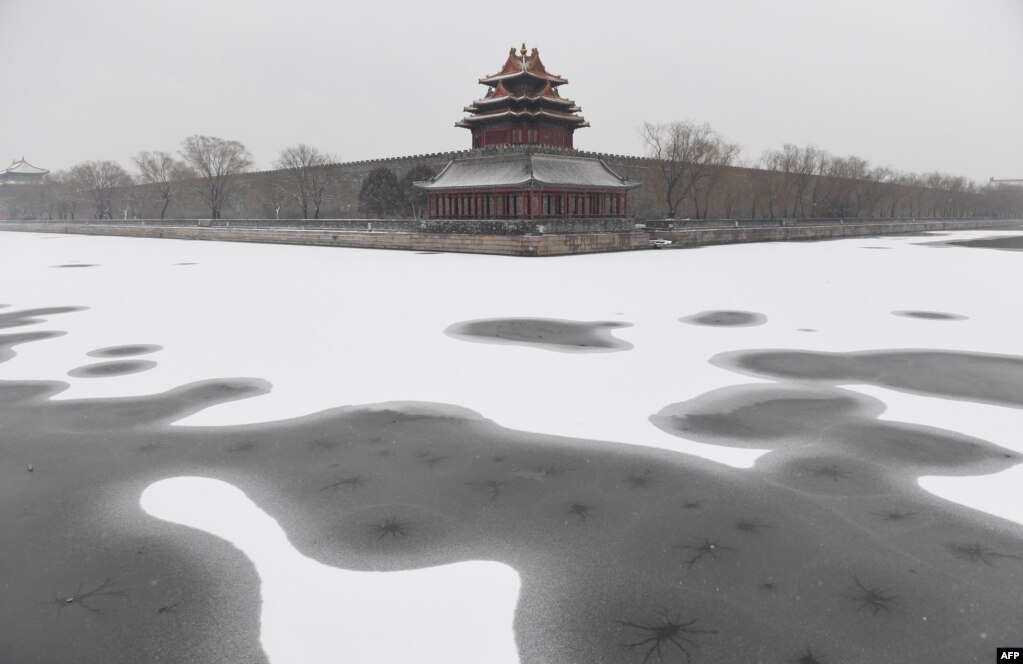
{"x": 552, "y": 244}
{"x": 733, "y": 232}
{"x": 506, "y": 245}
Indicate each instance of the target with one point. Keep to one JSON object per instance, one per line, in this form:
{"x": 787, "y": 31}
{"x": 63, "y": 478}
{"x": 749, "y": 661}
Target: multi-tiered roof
{"x": 535, "y": 175}
{"x": 523, "y": 106}
{"x": 22, "y": 172}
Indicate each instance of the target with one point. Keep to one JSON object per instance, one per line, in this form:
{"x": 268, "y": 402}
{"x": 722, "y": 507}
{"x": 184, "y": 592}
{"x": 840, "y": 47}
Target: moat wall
{"x": 501, "y": 244}
{"x": 724, "y": 232}
{"x": 506, "y": 245}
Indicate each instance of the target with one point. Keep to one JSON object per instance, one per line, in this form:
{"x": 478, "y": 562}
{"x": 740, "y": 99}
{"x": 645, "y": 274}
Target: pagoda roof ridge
{"x": 519, "y": 64}
{"x": 23, "y": 167}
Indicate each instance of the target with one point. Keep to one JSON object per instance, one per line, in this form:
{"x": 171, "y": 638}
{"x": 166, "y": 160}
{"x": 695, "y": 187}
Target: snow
{"x": 332, "y": 326}
{"x": 462, "y": 612}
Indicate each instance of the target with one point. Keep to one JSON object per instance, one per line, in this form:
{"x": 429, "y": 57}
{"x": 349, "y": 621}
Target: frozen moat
{"x": 777, "y": 452}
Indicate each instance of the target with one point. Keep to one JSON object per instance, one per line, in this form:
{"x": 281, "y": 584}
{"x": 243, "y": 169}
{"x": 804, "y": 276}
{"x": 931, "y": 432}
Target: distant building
{"x": 523, "y": 165}
{"x": 22, "y": 172}
{"x": 20, "y": 202}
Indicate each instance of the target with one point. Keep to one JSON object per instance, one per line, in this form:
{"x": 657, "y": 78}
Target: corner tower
{"x": 523, "y": 170}
{"x": 523, "y": 107}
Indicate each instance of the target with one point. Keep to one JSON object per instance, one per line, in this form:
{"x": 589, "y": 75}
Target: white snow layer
{"x": 331, "y": 327}
{"x": 313, "y": 613}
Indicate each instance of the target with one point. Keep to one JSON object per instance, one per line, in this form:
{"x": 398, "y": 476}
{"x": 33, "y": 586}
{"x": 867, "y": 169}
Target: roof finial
{"x": 523, "y": 51}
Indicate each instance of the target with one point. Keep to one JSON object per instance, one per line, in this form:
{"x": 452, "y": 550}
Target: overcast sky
{"x": 918, "y": 85}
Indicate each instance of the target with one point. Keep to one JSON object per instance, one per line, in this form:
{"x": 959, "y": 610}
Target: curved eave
{"x": 561, "y": 112}
{"x": 22, "y": 167}
{"x": 532, "y": 171}
{"x": 497, "y": 78}
{"x": 497, "y": 101}
{"x": 528, "y": 183}
{"x": 531, "y": 115}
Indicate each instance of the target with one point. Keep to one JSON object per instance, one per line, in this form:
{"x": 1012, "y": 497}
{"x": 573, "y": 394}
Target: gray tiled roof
{"x": 23, "y": 167}
{"x": 525, "y": 168}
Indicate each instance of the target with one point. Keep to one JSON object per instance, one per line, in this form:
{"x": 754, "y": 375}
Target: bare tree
{"x": 717, "y": 166}
{"x": 776, "y": 184}
{"x": 896, "y": 194}
{"x": 1003, "y": 200}
{"x": 273, "y": 195}
{"x": 807, "y": 164}
{"x": 99, "y": 179}
{"x": 793, "y": 172}
{"x": 164, "y": 173}
{"x": 684, "y": 153}
{"x": 305, "y": 175}
{"x": 735, "y": 185}
{"x": 217, "y": 162}
{"x": 67, "y": 194}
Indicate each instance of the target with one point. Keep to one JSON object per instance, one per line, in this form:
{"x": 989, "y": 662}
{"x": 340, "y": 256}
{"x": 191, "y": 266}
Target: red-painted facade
{"x": 526, "y": 204}
{"x": 523, "y": 107}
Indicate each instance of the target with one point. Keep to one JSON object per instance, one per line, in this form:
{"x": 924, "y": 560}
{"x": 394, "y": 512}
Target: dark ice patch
{"x": 545, "y": 333}
{"x": 725, "y": 318}
{"x": 929, "y": 315}
{"x": 32, "y": 316}
{"x": 75, "y": 265}
{"x": 979, "y": 377}
{"x": 760, "y": 416}
{"x": 921, "y": 449}
{"x": 828, "y": 421}
{"x": 621, "y": 550}
{"x": 8, "y": 341}
{"x": 12, "y": 393}
{"x": 1008, "y": 243}
{"x": 142, "y": 411}
{"x": 124, "y": 351}
{"x": 186, "y": 263}
{"x": 106, "y": 369}
{"x": 243, "y": 447}
{"x": 827, "y": 474}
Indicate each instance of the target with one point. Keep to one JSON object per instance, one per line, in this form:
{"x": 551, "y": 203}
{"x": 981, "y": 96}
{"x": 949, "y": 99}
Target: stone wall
{"x": 342, "y": 199}
{"x": 743, "y": 193}
{"x": 460, "y": 226}
{"x": 821, "y": 230}
{"x": 508, "y": 245}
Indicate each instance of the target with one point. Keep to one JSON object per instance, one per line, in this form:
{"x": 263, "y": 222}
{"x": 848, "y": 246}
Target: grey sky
{"x": 918, "y": 85}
